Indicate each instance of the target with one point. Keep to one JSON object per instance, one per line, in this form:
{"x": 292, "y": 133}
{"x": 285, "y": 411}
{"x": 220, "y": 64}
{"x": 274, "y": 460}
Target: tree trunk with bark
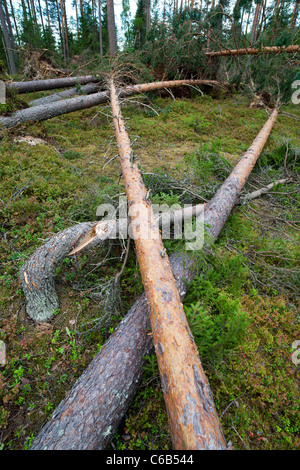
{"x": 252, "y": 51}
{"x": 92, "y": 411}
{"x": 8, "y": 43}
{"x": 51, "y": 83}
{"x": 193, "y": 419}
{"x": 111, "y": 26}
{"x": 40, "y": 113}
{"x": 69, "y": 93}
{"x": 255, "y": 23}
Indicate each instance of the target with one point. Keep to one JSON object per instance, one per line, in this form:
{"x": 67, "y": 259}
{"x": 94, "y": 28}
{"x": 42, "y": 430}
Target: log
{"x": 40, "y": 113}
{"x": 51, "y": 83}
{"x": 71, "y": 92}
{"x": 252, "y": 51}
{"x": 90, "y": 414}
{"x": 193, "y": 419}
{"x": 37, "y": 274}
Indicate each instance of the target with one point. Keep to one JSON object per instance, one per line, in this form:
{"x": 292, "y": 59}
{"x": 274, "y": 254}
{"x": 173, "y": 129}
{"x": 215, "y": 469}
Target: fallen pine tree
{"x": 51, "y": 83}
{"x": 90, "y": 414}
{"x": 47, "y": 111}
{"x": 253, "y": 51}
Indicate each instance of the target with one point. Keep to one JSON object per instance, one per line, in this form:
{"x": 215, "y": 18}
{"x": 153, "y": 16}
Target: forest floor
{"x": 244, "y": 313}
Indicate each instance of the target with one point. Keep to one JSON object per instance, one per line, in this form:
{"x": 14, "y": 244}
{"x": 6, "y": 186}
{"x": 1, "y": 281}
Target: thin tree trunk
{"x": 251, "y": 51}
{"x": 48, "y": 15}
{"x": 111, "y": 26}
{"x": 90, "y": 414}
{"x": 100, "y": 28}
{"x": 294, "y": 15}
{"x": 77, "y": 20}
{"x": 148, "y": 16}
{"x": 59, "y": 22}
{"x": 8, "y": 45}
{"x": 41, "y": 15}
{"x": 69, "y": 93}
{"x": 40, "y": 113}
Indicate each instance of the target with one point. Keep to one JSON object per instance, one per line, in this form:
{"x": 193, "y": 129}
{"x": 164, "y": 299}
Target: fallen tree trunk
{"x": 40, "y": 113}
{"x": 51, "y": 83}
{"x": 90, "y": 414}
{"x": 37, "y": 274}
{"x": 71, "y": 92}
{"x": 253, "y": 51}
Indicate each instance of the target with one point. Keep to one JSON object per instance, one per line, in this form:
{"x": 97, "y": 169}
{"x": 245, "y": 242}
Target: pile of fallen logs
{"x": 90, "y": 414}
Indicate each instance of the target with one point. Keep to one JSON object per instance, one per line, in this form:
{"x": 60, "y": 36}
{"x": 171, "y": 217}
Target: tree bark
{"x": 251, "y": 51}
{"x": 37, "y": 274}
{"x": 93, "y": 409}
{"x": 51, "y": 83}
{"x": 69, "y": 93}
{"x": 111, "y": 26}
{"x": 255, "y": 23}
{"x": 39, "y": 113}
{"x": 8, "y": 44}
{"x": 193, "y": 420}
{"x": 294, "y": 15}
{"x": 100, "y": 29}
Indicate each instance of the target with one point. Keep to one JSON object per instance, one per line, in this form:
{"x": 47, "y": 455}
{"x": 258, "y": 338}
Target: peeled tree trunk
{"x": 252, "y": 51}
{"x": 194, "y": 423}
{"x": 96, "y": 404}
{"x": 51, "y": 83}
{"x": 47, "y": 111}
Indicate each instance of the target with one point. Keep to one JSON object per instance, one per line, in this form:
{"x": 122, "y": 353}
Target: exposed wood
{"x": 193, "y": 419}
{"x": 253, "y": 51}
{"x": 51, "y": 83}
{"x": 39, "y": 113}
{"x": 37, "y": 274}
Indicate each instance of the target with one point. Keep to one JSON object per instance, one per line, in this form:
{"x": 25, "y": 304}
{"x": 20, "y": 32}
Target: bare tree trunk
{"x": 148, "y": 16}
{"x": 77, "y": 20}
{"x": 96, "y": 404}
{"x": 48, "y": 16}
{"x": 8, "y": 44}
{"x": 71, "y": 92}
{"x": 41, "y": 15}
{"x": 294, "y": 15}
{"x": 40, "y": 113}
{"x": 209, "y": 29}
{"x": 111, "y": 26}
{"x": 255, "y": 23}
{"x": 185, "y": 387}
{"x": 251, "y": 51}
